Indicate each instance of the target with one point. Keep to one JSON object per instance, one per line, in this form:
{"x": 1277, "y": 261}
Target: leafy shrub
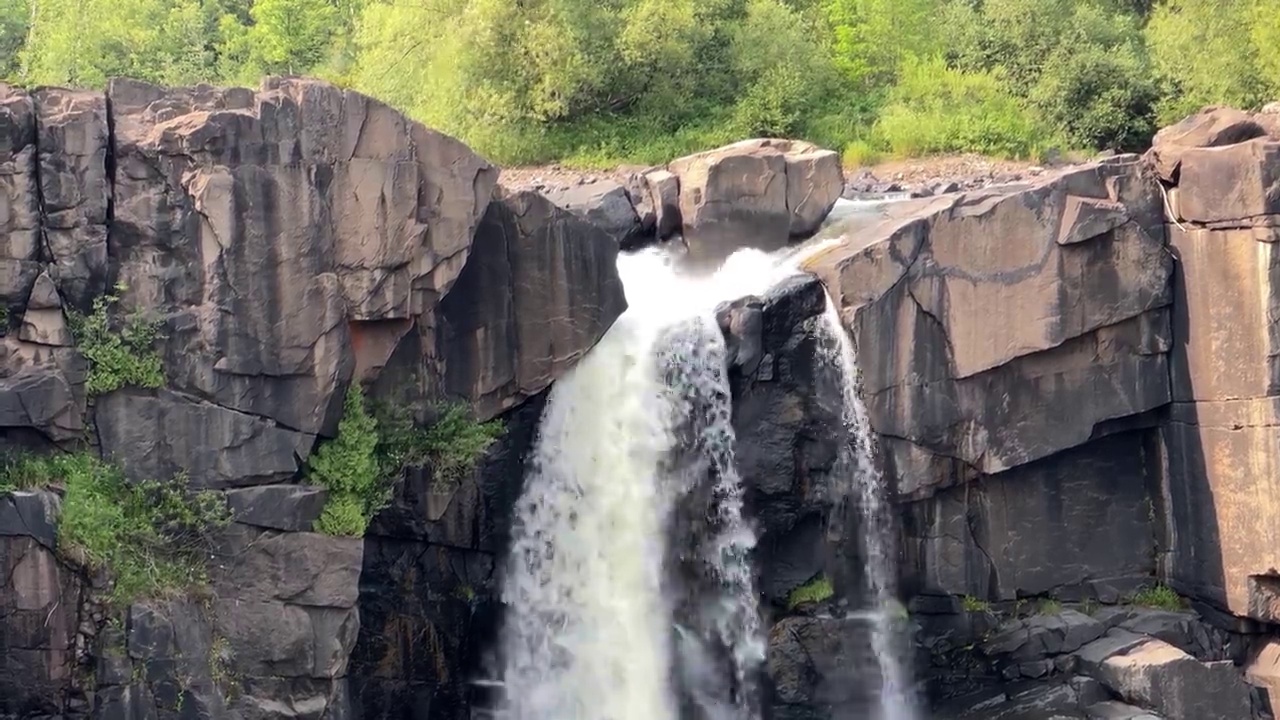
{"x": 361, "y": 465}
{"x": 816, "y": 590}
{"x": 973, "y": 604}
{"x": 348, "y": 467}
{"x": 1207, "y": 52}
{"x": 936, "y": 109}
{"x": 151, "y": 537}
{"x": 451, "y": 445}
{"x": 1159, "y": 596}
{"x": 119, "y": 354}
{"x": 1099, "y": 97}
{"x": 859, "y": 153}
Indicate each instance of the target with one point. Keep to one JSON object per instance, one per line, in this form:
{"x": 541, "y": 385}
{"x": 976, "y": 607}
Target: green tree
{"x": 290, "y": 37}
{"x": 870, "y": 38}
{"x": 1214, "y": 52}
{"x": 14, "y": 16}
{"x": 937, "y": 109}
{"x": 1080, "y": 65}
{"x": 84, "y": 42}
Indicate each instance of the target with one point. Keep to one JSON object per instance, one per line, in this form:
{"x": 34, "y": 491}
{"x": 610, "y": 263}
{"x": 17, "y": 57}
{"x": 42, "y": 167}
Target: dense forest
{"x": 596, "y": 82}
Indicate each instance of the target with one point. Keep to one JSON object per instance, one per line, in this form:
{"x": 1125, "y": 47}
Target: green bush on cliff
{"x": 819, "y": 589}
{"x": 361, "y": 465}
{"x": 119, "y": 354}
{"x": 151, "y": 537}
{"x": 348, "y": 467}
{"x": 450, "y": 445}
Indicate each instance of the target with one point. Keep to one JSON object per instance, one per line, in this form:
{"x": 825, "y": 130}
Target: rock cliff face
{"x": 288, "y": 243}
{"x": 1072, "y": 381}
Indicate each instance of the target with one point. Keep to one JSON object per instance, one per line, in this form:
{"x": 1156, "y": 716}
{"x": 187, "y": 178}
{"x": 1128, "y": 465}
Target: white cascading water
{"x": 590, "y": 631}
{"x": 867, "y": 489}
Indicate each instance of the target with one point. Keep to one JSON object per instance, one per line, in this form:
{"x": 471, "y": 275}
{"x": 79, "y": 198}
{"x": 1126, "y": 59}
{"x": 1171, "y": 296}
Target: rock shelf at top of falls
{"x": 1070, "y": 385}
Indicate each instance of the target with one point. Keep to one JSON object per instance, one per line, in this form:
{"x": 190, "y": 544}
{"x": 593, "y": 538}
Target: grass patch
{"x": 361, "y": 465}
{"x": 938, "y": 110}
{"x": 1159, "y": 597}
{"x": 816, "y": 590}
{"x": 973, "y": 604}
{"x": 152, "y": 537}
{"x": 120, "y": 353}
{"x": 1050, "y": 606}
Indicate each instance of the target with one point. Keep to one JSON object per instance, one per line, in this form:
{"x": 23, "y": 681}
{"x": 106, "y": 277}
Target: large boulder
{"x": 1156, "y": 675}
{"x": 754, "y": 193}
{"x": 605, "y": 204}
{"x": 789, "y": 428}
{"x": 160, "y": 434}
{"x": 41, "y": 389}
{"x": 1211, "y": 127}
{"x": 816, "y": 664}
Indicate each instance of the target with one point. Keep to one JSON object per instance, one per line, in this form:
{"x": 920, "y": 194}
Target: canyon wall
{"x": 1073, "y": 384}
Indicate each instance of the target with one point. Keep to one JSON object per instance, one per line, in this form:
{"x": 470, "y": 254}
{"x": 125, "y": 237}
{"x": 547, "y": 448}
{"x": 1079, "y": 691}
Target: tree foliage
{"x": 606, "y": 81}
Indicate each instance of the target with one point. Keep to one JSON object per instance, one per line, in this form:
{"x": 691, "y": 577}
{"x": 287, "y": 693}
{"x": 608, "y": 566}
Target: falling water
{"x": 633, "y": 432}
{"x": 866, "y": 487}
{"x": 590, "y": 623}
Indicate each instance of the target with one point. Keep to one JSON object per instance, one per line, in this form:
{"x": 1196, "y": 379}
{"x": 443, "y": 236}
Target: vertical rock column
{"x": 1222, "y": 490}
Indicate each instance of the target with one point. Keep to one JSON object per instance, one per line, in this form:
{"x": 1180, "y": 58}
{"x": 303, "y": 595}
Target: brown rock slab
{"x": 1231, "y": 184}
{"x": 1159, "y": 676}
{"x": 1227, "y": 285}
{"x": 1083, "y": 331}
{"x": 754, "y": 193}
{"x": 1210, "y": 127}
{"x": 75, "y": 187}
{"x": 19, "y": 199}
{"x": 302, "y": 206}
{"x": 1223, "y": 502}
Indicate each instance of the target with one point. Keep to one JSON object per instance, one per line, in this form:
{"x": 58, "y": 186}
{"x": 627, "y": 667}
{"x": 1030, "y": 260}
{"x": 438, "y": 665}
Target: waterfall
{"x": 606, "y": 620}
{"x": 590, "y": 620}
{"x": 865, "y": 486}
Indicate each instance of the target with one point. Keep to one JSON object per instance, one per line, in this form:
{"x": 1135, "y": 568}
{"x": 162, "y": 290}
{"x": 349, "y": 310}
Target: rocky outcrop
{"x": 39, "y": 609}
{"x": 755, "y": 193}
{"x": 997, "y": 430}
{"x": 534, "y": 263}
{"x": 1220, "y": 494}
{"x": 288, "y": 242}
{"x": 1124, "y": 661}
